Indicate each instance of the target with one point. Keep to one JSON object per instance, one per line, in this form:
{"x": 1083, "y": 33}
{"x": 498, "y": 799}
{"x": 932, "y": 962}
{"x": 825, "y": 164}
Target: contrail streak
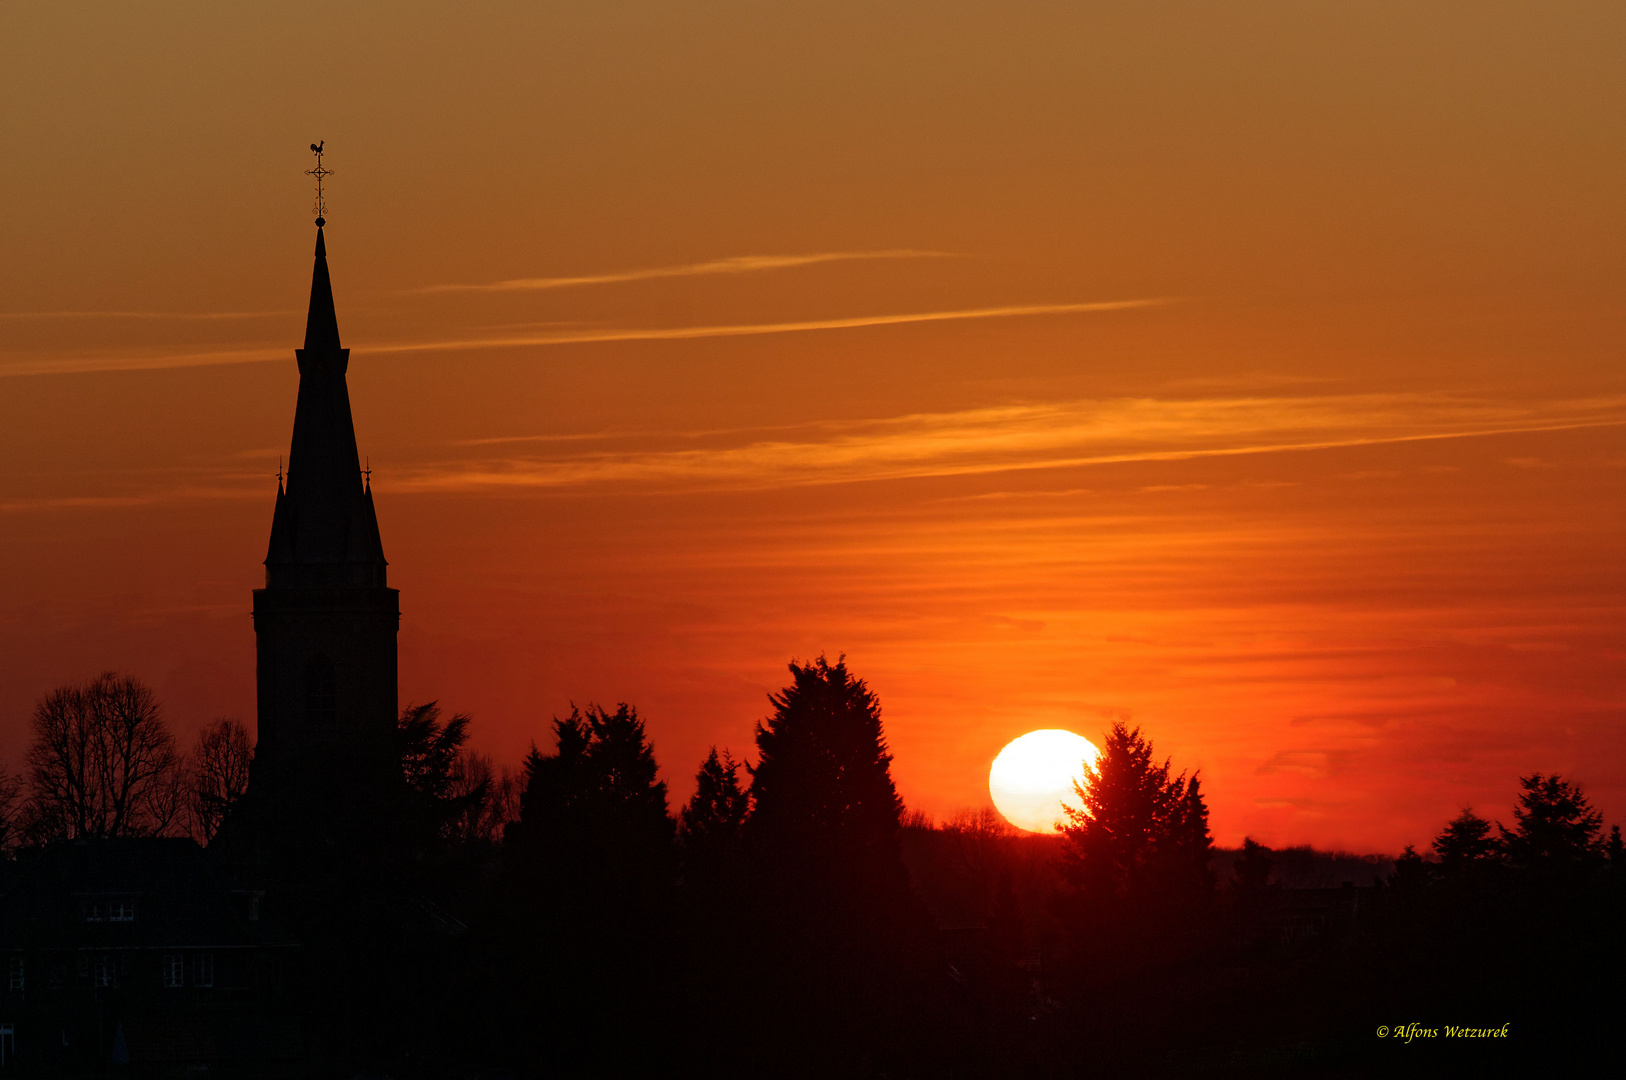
{"x": 733, "y": 264}
{"x": 74, "y": 365}
{"x": 178, "y": 315}
{"x": 683, "y": 333}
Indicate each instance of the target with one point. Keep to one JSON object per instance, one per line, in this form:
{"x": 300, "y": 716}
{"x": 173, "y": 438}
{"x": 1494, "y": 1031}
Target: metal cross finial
{"x": 321, "y": 174}
{"x": 368, "y": 473}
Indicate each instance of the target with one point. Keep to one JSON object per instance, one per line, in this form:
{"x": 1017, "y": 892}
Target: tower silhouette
{"x": 325, "y": 624}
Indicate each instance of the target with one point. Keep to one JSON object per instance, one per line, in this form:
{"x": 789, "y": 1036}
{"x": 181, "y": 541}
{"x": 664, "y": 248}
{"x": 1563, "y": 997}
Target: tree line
{"x": 103, "y": 763}
{"x": 562, "y": 917}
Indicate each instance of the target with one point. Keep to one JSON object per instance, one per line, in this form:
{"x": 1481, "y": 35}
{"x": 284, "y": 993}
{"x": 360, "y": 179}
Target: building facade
{"x": 140, "y": 952}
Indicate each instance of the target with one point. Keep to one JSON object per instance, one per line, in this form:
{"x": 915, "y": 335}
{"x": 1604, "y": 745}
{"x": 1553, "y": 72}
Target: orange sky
{"x": 1248, "y": 371}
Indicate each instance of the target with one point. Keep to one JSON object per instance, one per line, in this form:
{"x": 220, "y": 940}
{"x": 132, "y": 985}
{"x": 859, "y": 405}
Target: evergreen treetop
{"x": 714, "y": 814}
{"x": 1555, "y": 827}
{"x": 1466, "y": 841}
{"x": 1141, "y": 830}
{"x": 823, "y": 774}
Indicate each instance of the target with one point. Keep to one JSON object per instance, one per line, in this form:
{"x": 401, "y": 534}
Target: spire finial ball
{"x": 320, "y": 222}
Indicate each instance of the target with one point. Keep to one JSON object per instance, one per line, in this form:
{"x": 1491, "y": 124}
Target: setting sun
{"x": 1034, "y": 775}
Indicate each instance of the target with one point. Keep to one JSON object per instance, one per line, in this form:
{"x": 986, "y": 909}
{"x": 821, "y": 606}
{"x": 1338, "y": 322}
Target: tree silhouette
{"x": 102, "y": 762}
{"x": 714, "y": 901}
{"x": 1412, "y": 872}
{"x": 1141, "y": 833}
{"x": 11, "y": 790}
{"x": 1555, "y": 828}
{"x": 599, "y": 787}
{"x": 711, "y": 822}
{"x": 1467, "y": 838}
{"x": 1468, "y": 850}
{"x": 431, "y": 763}
{"x": 1252, "y": 897}
{"x": 217, "y": 774}
{"x": 823, "y": 783}
{"x": 590, "y": 873}
{"x": 825, "y": 815}
{"x": 1136, "y": 857}
{"x": 1252, "y": 869}
{"x": 488, "y": 797}
{"x": 839, "y": 931}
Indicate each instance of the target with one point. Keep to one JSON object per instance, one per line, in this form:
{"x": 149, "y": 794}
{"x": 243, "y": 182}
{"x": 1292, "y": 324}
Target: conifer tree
{"x": 823, "y": 781}
{"x": 431, "y": 751}
{"x": 1252, "y": 870}
{"x": 1251, "y": 894}
{"x": 586, "y": 906}
{"x": 1412, "y": 872}
{"x": 1555, "y": 829}
{"x": 1141, "y": 832}
{"x": 710, "y": 823}
{"x": 1467, "y": 843}
{"x": 596, "y": 805}
{"x": 839, "y": 930}
{"x": 1137, "y": 857}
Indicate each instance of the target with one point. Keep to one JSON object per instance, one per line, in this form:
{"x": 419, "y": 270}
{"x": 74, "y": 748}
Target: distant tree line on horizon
{"x": 790, "y": 918}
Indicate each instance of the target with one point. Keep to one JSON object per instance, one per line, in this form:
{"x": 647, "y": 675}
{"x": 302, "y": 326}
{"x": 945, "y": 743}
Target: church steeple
{"x": 324, "y": 530}
{"x": 322, "y": 322}
{"x": 325, "y": 624}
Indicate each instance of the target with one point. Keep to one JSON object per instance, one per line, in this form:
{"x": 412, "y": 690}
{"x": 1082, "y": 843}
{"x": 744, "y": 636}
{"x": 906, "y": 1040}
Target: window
{"x": 174, "y": 970}
{"x": 321, "y": 691}
{"x": 203, "y": 969}
{"x": 109, "y": 909}
{"x": 15, "y": 971}
{"x": 107, "y": 972}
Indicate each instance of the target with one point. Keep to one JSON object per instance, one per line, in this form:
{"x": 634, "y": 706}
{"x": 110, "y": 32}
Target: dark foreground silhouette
{"x": 442, "y": 918}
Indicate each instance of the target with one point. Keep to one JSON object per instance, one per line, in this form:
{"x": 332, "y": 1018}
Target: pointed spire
{"x": 322, "y": 322}
{"x": 324, "y": 529}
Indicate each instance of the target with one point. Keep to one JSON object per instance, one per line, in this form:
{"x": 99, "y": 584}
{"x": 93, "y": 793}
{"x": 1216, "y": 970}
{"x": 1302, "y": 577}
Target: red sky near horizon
{"x": 1251, "y": 374}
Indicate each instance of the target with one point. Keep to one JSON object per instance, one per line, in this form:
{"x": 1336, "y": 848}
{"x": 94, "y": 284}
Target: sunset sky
{"x": 1250, "y": 372}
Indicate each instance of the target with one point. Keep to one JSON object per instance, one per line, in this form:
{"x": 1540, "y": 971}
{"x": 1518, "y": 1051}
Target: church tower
{"x": 325, "y": 624}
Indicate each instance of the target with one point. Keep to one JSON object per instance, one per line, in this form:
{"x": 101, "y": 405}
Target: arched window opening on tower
{"x": 321, "y": 693}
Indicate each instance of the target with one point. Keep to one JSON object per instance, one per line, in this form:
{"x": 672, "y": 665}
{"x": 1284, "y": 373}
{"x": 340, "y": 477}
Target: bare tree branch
{"x": 217, "y": 775}
{"x": 103, "y": 763}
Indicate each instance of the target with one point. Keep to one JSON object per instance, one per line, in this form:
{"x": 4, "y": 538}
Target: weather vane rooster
{"x": 321, "y": 174}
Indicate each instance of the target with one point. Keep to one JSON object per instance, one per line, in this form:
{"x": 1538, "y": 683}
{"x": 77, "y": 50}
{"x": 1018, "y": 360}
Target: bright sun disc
{"x": 1034, "y": 775}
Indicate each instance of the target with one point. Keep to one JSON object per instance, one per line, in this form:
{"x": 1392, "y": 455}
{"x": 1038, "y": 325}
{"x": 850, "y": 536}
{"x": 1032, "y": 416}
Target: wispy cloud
{"x": 85, "y": 365}
{"x": 156, "y": 497}
{"x": 1039, "y": 436}
{"x": 685, "y": 333}
{"x": 181, "y": 316}
{"x": 733, "y": 264}
{"x": 67, "y": 365}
